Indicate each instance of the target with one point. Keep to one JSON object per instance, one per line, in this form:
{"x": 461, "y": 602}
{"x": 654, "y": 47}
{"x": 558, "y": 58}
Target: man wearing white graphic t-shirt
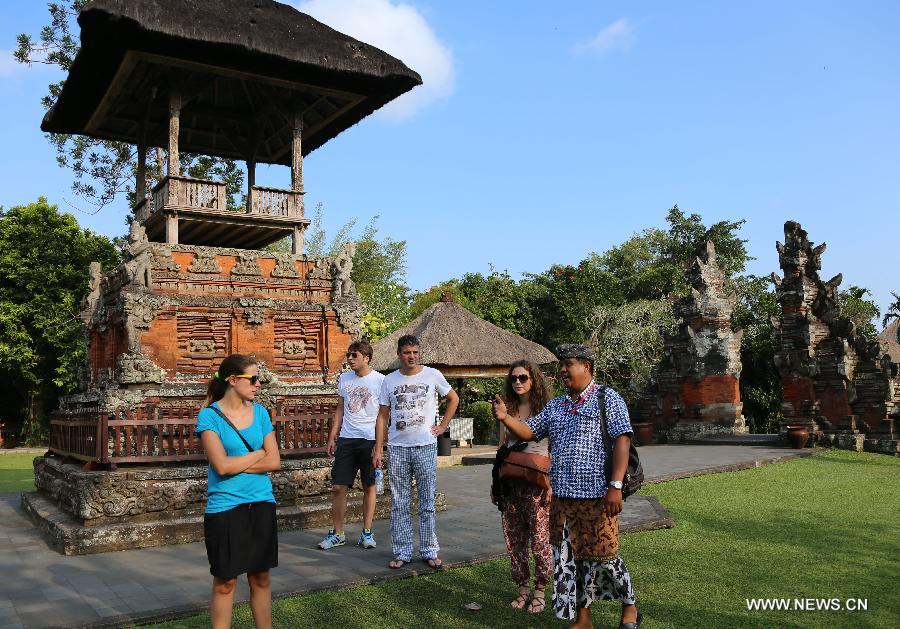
{"x": 354, "y": 420}
{"x": 409, "y": 398}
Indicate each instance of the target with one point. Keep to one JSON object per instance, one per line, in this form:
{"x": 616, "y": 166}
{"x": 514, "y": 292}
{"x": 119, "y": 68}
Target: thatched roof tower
{"x": 460, "y": 344}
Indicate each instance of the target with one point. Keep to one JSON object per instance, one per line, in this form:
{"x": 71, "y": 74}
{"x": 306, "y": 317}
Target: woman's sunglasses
{"x": 253, "y": 379}
{"x": 522, "y": 377}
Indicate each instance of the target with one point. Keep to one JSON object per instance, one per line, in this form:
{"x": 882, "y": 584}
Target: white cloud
{"x": 400, "y": 30}
{"x": 616, "y": 36}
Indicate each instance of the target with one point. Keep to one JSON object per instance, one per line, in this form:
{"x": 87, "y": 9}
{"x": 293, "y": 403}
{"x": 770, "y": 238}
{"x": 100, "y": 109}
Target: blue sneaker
{"x": 333, "y": 539}
{"x": 366, "y": 539}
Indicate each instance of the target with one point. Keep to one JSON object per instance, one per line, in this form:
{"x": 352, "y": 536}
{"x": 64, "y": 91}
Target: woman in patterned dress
{"x": 526, "y": 508}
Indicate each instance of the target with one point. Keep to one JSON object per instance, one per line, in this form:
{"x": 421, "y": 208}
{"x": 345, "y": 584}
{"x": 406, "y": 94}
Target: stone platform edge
{"x": 67, "y": 537}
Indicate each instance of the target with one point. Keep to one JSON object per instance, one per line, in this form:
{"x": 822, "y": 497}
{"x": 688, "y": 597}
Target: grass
{"x": 16, "y": 472}
{"x": 826, "y": 526}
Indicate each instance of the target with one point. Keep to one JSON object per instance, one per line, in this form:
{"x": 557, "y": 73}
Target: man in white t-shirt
{"x": 409, "y": 397}
{"x": 354, "y": 420}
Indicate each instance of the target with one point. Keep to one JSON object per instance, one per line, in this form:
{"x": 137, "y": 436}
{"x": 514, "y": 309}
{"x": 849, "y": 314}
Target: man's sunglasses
{"x": 522, "y": 377}
{"x": 353, "y": 354}
{"x": 253, "y": 379}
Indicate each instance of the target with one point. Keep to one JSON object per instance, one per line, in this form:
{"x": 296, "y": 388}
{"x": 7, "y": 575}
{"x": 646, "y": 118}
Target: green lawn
{"x": 825, "y": 527}
{"x": 16, "y": 472}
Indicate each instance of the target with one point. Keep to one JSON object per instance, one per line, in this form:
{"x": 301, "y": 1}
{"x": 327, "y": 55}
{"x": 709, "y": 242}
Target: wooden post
{"x": 174, "y": 121}
{"x": 140, "y": 184}
{"x": 297, "y": 155}
{"x": 172, "y": 229}
{"x": 251, "y": 181}
{"x": 297, "y": 241}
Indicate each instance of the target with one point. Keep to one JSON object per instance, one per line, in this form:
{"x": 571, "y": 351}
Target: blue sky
{"x": 546, "y": 132}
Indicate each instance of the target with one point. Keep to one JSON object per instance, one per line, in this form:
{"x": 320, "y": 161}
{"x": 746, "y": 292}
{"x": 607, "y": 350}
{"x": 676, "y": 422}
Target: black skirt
{"x": 241, "y": 539}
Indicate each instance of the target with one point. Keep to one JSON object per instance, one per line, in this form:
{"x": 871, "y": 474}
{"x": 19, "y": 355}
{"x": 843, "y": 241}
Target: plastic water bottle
{"x": 379, "y": 481}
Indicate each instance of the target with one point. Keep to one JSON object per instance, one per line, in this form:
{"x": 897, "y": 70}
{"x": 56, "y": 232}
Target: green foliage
{"x": 761, "y": 389}
{"x": 565, "y": 297}
{"x": 44, "y": 257}
{"x": 893, "y": 313}
{"x": 628, "y": 342}
{"x": 104, "y": 169}
{"x": 861, "y": 311}
{"x": 483, "y": 422}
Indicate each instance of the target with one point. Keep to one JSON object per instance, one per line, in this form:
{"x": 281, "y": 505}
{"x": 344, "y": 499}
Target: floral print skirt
{"x": 586, "y": 556}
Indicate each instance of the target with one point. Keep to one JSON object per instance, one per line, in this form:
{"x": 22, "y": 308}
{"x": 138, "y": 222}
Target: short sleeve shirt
{"x": 413, "y": 402}
{"x": 360, "y": 398}
{"x": 228, "y": 491}
{"x": 577, "y": 452}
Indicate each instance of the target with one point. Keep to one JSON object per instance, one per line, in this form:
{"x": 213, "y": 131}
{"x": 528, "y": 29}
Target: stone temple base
{"x": 85, "y": 512}
{"x": 859, "y": 442}
{"x": 683, "y": 432}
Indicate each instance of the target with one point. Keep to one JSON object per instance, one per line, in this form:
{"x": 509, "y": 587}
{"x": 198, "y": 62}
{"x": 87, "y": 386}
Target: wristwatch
{"x": 616, "y": 484}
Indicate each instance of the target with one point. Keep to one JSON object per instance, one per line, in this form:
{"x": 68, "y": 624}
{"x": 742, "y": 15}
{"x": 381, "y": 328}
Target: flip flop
{"x": 434, "y": 563}
{"x": 396, "y": 564}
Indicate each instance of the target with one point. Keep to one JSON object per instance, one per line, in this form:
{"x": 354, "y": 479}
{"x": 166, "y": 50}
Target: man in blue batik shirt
{"x": 584, "y": 523}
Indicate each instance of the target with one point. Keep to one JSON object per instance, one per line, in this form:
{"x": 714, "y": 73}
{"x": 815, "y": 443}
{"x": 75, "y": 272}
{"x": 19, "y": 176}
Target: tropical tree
{"x": 104, "y": 169}
{"x": 628, "y": 342}
{"x": 893, "y": 313}
{"x": 44, "y": 257}
{"x": 761, "y": 389}
{"x": 862, "y": 311}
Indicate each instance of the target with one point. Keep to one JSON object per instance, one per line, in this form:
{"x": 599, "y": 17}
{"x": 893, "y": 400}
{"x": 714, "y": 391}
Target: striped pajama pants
{"x": 404, "y": 464}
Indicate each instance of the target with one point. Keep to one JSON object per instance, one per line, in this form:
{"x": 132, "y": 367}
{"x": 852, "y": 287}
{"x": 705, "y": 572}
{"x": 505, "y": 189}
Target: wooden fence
{"x": 149, "y": 434}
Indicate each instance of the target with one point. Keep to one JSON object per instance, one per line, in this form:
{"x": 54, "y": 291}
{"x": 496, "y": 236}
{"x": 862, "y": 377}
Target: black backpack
{"x": 634, "y": 474}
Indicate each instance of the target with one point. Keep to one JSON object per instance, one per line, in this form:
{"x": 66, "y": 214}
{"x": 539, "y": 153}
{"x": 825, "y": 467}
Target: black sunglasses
{"x": 522, "y": 377}
{"x": 253, "y": 379}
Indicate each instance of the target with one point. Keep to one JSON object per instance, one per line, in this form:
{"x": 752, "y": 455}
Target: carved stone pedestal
{"x": 84, "y": 512}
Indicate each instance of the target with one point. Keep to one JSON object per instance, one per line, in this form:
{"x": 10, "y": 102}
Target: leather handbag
{"x": 634, "y": 474}
{"x": 526, "y": 467}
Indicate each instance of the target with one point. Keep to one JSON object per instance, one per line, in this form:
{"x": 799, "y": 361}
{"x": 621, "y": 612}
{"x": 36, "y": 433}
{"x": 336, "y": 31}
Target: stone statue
{"x": 342, "y": 268}
{"x": 137, "y": 252}
{"x": 92, "y": 299}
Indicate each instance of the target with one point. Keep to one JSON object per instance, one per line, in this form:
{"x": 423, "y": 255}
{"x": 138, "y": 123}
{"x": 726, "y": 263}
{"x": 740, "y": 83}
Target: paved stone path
{"x": 41, "y": 588}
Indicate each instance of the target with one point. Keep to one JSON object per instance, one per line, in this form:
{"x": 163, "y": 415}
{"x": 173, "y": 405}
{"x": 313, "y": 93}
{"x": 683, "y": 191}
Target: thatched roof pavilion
{"x": 888, "y": 340}
{"x": 250, "y": 59}
{"x": 254, "y": 80}
{"x": 460, "y": 344}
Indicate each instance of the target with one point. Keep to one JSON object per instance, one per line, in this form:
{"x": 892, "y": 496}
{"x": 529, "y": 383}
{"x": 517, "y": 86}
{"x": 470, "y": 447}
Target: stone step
{"x": 772, "y": 441}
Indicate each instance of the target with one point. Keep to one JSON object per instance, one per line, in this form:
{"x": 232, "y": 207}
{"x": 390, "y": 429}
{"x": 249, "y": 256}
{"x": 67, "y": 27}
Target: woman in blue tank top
{"x": 239, "y": 524}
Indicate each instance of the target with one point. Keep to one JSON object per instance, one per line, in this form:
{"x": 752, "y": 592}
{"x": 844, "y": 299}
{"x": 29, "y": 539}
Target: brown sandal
{"x": 521, "y": 599}
{"x": 537, "y": 604}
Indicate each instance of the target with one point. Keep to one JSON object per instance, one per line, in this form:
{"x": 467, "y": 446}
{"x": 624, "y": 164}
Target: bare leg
{"x": 368, "y": 506}
{"x": 222, "y": 602}
{"x": 260, "y": 599}
{"x": 629, "y": 613}
{"x": 338, "y": 507}
{"x": 583, "y": 621}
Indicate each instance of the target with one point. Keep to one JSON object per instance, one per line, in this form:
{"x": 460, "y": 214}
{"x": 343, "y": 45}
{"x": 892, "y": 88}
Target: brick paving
{"x": 41, "y": 588}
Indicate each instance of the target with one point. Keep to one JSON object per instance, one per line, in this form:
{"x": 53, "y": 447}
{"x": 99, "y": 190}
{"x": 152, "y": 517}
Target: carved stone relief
{"x": 246, "y": 264}
{"x": 162, "y": 260}
{"x": 205, "y": 262}
{"x": 341, "y": 270}
{"x": 135, "y": 368}
{"x": 349, "y": 314}
{"x": 285, "y": 268}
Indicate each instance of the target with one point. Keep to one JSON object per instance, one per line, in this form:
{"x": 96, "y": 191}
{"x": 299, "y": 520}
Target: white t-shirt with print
{"x": 360, "y": 396}
{"x": 413, "y": 402}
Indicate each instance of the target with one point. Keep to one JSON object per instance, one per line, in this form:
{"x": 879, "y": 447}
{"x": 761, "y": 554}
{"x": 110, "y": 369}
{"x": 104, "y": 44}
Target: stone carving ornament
{"x": 162, "y": 260}
{"x": 285, "y": 268}
{"x": 138, "y": 256}
{"x": 342, "y": 269}
{"x": 205, "y": 262}
{"x": 246, "y": 264}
